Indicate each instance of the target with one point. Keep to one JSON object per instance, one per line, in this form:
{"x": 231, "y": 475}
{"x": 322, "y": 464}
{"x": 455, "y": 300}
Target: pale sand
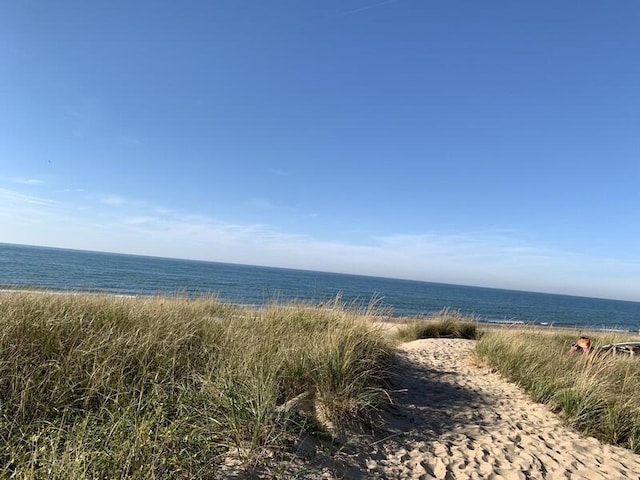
{"x": 455, "y": 420}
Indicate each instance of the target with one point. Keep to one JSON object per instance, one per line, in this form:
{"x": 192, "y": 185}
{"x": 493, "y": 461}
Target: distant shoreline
{"x": 392, "y": 319}
{"x": 25, "y": 268}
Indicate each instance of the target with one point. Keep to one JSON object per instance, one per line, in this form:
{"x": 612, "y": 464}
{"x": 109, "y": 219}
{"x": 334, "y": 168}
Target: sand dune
{"x": 455, "y": 420}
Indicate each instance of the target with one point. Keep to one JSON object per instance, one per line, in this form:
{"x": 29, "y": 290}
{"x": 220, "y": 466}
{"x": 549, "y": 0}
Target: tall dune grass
{"x": 598, "y": 395}
{"x": 103, "y": 387}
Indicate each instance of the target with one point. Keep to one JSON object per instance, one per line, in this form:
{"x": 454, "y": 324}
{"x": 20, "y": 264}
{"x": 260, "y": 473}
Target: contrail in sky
{"x": 367, "y": 7}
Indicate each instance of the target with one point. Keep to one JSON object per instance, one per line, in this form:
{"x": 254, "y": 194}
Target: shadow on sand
{"x": 426, "y": 403}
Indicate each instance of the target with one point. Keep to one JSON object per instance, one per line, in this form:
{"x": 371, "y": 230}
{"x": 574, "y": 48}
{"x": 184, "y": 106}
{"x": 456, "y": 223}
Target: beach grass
{"x": 596, "y": 394}
{"x": 445, "y": 323}
{"x": 98, "y": 386}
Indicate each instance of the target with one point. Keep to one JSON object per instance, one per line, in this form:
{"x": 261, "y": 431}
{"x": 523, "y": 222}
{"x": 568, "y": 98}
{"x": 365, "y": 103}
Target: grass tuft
{"x": 598, "y": 395}
{"x": 102, "y": 387}
{"x": 445, "y": 323}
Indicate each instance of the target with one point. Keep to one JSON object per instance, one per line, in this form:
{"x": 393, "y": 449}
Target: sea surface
{"x": 59, "y": 269}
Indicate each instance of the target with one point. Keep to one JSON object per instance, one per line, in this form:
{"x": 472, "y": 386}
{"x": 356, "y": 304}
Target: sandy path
{"x": 454, "y": 420}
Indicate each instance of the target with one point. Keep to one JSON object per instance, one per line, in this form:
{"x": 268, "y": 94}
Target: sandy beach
{"x": 453, "y": 419}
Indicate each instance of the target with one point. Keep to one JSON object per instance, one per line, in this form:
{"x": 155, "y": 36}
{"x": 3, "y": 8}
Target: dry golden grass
{"x": 102, "y": 387}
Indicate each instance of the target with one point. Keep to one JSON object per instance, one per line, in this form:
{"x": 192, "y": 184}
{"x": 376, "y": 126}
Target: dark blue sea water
{"x": 58, "y": 269}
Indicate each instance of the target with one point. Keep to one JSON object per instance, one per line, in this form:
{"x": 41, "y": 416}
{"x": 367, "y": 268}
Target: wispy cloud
{"x": 490, "y": 258}
{"x": 27, "y": 181}
{"x": 477, "y": 246}
{"x": 261, "y": 203}
{"x": 139, "y": 220}
{"x": 83, "y": 114}
{"x": 365, "y": 8}
{"x": 71, "y": 190}
{"x": 15, "y": 197}
{"x": 113, "y": 200}
{"x": 119, "y": 201}
{"x": 129, "y": 141}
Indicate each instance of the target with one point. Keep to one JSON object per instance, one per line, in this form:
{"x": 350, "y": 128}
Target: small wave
{"x": 505, "y": 321}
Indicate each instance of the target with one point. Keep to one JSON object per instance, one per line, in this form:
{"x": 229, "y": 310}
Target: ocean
{"x": 60, "y": 269}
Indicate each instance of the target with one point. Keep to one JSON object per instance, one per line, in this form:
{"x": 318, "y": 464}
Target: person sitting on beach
{"x": 583, "y": 343}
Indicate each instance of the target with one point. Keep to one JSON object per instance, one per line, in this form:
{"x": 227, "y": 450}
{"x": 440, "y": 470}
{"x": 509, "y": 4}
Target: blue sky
{"x": 481, "y": 143}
